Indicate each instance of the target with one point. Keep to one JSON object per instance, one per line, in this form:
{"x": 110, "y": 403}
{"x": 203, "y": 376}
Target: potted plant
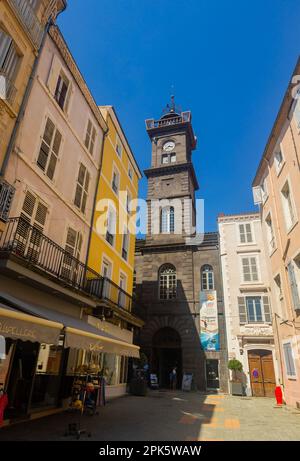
{"x": 236, "y": 383}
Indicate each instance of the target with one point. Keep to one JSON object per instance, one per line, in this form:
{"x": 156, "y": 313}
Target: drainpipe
{"x": 25, "y": 98}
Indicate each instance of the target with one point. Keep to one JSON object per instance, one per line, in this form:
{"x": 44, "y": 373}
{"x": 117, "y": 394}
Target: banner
{"x": 209, "y": 325}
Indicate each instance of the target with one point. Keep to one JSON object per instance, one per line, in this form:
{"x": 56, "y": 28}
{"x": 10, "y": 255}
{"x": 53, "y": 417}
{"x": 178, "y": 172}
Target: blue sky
{"x": 229, "y": 62}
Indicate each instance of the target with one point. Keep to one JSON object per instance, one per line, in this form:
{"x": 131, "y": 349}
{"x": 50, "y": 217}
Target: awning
{"x": 79, "y": 334}
{"x": 17, "y": 325}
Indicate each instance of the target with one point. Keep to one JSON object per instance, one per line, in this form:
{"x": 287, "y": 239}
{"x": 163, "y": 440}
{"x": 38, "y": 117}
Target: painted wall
{"x": 242, "y": 338}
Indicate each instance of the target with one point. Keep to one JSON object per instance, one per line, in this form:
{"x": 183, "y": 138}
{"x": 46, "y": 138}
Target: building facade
{"x": 56, "y": 313}
{"x": 112, "y": 244}
{"x": 277, "y": 191}
{"x": 247, "y": 301}
{"x": 23, "y": 24}
{"x": 175, "y": 271}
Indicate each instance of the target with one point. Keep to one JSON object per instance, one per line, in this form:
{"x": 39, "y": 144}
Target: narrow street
{"x": 173, "y": 416}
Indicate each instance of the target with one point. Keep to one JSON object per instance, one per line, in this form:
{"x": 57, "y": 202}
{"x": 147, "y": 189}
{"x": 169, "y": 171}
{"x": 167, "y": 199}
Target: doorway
{"x": 212, "y": 375}
{"x": 262, "y": 374}
{"x": 166, "y": 354}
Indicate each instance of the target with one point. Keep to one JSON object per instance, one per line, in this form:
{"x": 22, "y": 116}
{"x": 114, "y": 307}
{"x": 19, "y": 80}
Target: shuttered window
{"x": 294, "y": 286}
{"x": 31, "y": 226}
{"x": 90, "y": 137}
{"x": 82, "y": 188}
{"x": 9, "y": 58}
{"x": 125, "y": 245}
{"x": 115, "y": 181}
{"x": 250, "y": 270}
{"x": 289, "y": 360}
{"x": 254, "y": 309}
{"x": 111, "y": 226}
{"x": 245, "y": 233}
{"x": 62, "y": 91}
{"x": 49, "y": 150}
{"x": 73, "y": 253}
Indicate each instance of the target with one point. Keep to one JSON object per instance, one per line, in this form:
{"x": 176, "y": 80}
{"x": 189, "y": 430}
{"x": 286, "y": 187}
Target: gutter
{"x": 26, "y": 98}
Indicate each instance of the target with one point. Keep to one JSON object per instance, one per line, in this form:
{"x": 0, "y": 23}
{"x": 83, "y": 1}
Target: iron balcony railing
{"x": 185, "y": 117}
{"x": 29, "y": 19}
{"x": 29, "y": 243}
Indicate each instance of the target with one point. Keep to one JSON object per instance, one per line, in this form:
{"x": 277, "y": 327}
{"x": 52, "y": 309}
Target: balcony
{"x": 8, "y": 89}
{"x": 33, "y": 248}
{"x": 185, "y": 117}
{"x": 30, "y": 21}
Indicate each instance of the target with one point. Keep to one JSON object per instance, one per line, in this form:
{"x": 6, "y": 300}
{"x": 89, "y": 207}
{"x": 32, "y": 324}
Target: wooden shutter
{"x": 294, "y": 286}
{"x": 54, "y": 74}
{"x": 54, "y": 155}
{"x": 267, "y": 309}
{"x": 88, "y": 135}
{"x": 254, "y": 269}
{"x": 49, "y": 150}
{"x": 242, "y": 310}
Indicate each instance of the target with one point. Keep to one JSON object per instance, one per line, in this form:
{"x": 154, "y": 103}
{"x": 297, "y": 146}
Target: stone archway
{"x": 166, "y": 354}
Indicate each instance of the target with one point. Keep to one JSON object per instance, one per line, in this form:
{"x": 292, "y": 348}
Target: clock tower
{"x": 171, "y": 179}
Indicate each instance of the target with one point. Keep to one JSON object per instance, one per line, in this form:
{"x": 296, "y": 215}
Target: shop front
{"x": 45, "y": 351}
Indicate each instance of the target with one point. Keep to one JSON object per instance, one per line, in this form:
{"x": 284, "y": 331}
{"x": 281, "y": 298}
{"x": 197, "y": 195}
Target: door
{"x": 262, "y": 373}
{"x": 212, "y": 374}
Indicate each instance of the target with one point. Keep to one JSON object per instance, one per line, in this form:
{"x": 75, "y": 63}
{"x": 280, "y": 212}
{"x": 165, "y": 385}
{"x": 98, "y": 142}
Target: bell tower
{"x": 171, "y": 178}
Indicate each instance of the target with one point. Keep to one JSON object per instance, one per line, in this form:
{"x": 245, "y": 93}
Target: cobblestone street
{"x": 173, "y": 416}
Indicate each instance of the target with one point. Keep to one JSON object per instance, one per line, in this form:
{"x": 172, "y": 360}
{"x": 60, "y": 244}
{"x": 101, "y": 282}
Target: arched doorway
{"x": 262, "y": 375}
{"x": 166, "y": 354}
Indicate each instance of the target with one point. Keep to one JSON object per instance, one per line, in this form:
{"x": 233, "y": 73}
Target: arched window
{"x": 167, "y": 220}
{"x": 207, "y": 278}
{"x": 167, "y": 282}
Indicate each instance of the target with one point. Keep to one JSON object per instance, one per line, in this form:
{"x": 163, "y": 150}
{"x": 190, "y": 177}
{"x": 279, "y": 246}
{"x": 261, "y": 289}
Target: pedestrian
{"x": 173, "y": 378}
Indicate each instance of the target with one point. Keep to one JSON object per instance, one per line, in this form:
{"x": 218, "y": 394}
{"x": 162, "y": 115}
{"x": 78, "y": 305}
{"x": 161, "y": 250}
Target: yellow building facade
{"x": 112, "y": 245}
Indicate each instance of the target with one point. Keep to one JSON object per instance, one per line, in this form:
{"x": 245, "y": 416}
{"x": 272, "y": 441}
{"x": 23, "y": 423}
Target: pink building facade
{"x": 277, "y": 191}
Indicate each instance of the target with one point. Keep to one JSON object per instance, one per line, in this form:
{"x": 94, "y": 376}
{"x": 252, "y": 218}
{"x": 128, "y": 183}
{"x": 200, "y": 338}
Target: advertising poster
{"x": 209, "y": 325}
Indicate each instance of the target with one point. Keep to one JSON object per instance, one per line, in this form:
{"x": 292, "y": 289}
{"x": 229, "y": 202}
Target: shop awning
{"x": 78, "y": 333}
{"x": 18, "y": 325}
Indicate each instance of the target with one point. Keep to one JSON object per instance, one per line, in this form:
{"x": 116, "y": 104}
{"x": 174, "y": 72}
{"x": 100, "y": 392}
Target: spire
{"x": 171, "y": 108}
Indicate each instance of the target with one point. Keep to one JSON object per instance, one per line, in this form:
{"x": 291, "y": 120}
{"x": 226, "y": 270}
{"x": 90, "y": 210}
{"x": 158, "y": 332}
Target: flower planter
{"x": 237, "y": 388}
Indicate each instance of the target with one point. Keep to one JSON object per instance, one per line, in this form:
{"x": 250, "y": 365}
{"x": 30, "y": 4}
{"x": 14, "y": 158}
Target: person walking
{"x": 173, "y": 378}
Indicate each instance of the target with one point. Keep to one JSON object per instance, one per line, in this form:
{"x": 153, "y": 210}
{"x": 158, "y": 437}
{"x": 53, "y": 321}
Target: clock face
{"x": 169, "y": 146}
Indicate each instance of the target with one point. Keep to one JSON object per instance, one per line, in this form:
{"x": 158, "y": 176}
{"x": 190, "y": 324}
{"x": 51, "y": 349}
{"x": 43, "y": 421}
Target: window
{"x": 119, "y": 148}
{"x": 167, "y": 283}
{"x": 254, "y": 309}
{"x": 288, "y": 208}
{"x": 49, "y": 150}
{"x": 279, "y": 295}
{"x": 264, "y": 190}
{"x": 297, "y": 112}
{"x": 168, "y": 158}
{"x": 167, "y": 220}
{"x": 72, "y": 257}
{"x": 122, "y": 292}
{"x": 111, "y": 226}
{"x": 9, "y": 58}
{"x": 289, "y": 360}
{"x": 115, "y": 181}
{"x": 62, "y": 89}
{"x": 82, "y": 188}
{"x": 7, "y": 193}
{"x": 125, "y": 245}
{"x": 250, "y": 270}
{"x": 270, "y": 234}
{"x": 207, "y": 278}
{"x": 294, "y": 285}
{"x": 31, "y": 226}
{"x": 130, "y": 173}
{"x": 128, "y": 202}
{"x": 246, "y": 233}
{"x": 278, "y": 157}
{"x": 90, "y": 137}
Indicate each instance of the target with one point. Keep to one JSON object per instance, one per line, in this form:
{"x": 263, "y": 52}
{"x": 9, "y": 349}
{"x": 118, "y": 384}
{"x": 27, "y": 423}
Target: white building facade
{"x": 247, "y": 301}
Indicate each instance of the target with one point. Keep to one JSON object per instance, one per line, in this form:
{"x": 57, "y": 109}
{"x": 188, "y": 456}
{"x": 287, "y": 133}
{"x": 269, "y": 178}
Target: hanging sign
{"x": 209, "y": 324}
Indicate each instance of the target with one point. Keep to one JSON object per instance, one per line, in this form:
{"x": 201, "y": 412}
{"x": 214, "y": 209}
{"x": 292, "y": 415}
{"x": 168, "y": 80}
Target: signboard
{"x": 154, "y": 381}
{"x": 2, "y": 348}
{"x": 209, "y": 325}
{"x": 187, "y": 382}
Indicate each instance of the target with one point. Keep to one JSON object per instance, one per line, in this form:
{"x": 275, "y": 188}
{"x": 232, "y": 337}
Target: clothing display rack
{"x": 88, "y": 394}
